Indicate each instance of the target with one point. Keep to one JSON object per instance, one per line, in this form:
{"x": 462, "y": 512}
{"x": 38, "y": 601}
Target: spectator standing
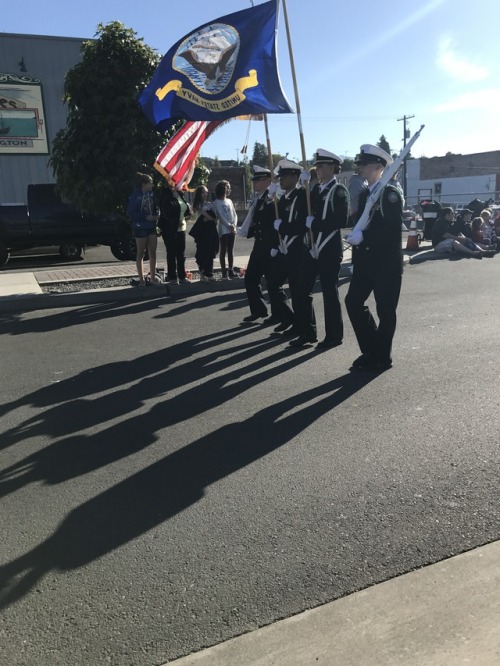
{"x": 174, "y": 211}
{"x": 143, "y": 212}
{"x": 204, "y": 232}
{"x": 228, "y": 221}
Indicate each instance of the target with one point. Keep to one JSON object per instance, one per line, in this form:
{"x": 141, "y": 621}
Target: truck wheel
{"x": 124, "y": 250}
{"x": 4, "y": 254}
{"x": 71, "y": 250}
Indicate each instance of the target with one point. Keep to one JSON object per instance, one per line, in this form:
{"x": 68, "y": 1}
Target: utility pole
{"x": 406, "y": 135}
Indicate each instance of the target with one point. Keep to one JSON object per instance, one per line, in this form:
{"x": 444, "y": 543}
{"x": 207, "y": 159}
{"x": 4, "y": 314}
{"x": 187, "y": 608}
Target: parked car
{"x": 48, "y": 221}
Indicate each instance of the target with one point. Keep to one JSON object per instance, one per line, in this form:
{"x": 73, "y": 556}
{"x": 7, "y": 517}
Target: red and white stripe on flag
{"x": 177, "y": 159}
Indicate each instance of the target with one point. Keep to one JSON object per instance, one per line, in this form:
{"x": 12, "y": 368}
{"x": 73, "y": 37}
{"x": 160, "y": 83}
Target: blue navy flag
{"x": 222, "y": 69}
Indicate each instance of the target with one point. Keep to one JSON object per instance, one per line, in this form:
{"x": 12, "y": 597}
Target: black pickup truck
{"x": 48, "y": 221}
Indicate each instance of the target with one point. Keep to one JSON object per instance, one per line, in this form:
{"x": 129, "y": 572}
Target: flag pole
{"x": 297, "y": 103}
{"x": 270, "y": 160}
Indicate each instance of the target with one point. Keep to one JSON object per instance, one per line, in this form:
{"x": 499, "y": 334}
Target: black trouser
{"x": 386, "y": 286}
{"x": 261, "y": 264}
{"x": 328, "y": 270}
{"x": 175, "y": 245}
{"x": 302, "y": 271}
{"x": 205, "y": 260}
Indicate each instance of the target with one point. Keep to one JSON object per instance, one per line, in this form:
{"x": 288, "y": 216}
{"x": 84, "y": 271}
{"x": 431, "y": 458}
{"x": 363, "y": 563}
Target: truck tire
{"x": 124, "y": 249}
{"x": 71, "y": 250}
{"x": 4, "y": 254}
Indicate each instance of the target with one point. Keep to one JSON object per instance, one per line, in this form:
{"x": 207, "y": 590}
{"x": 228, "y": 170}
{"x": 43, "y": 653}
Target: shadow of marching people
{"x": 167, "y": 487}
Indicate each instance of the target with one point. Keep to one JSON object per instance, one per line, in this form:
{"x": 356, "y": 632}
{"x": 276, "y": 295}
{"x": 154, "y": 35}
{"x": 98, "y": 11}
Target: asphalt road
{"x": 170, "y": 479}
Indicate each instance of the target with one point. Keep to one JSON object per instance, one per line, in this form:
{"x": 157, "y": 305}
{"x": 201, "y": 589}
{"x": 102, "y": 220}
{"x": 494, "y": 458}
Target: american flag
{"x": 177, "y": 160}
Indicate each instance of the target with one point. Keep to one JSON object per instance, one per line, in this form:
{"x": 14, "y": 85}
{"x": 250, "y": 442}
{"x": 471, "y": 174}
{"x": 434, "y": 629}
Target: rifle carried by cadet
{"x": 356, "y": 235}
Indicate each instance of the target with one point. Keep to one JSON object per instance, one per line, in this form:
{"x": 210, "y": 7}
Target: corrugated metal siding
{"x": 47, "y": 59}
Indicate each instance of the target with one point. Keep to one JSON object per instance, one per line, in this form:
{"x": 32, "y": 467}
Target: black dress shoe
{"x": 270, "y": 321}
{"x": 375, "y": 366}
{"x": 302, "y": 341}
{"x": 283, "y": 326}
{"x": 290, "y": 332}
{"x": 360, "y": 361}
{"x": 328, "y": 344}
{"x": 251, "y": 318}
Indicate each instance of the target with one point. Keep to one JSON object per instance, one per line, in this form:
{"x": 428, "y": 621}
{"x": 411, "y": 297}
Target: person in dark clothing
{"x": 292, "y": 230}
{"x": 462, "y": 224}
{"x": 377, "y": 266}
{"x": 330, "y": 209}
{"x": 259, "y": 224}
{"x": 174, "y": 210}
{"x": 204, "y": 232}
{"x": 444, "y": 240}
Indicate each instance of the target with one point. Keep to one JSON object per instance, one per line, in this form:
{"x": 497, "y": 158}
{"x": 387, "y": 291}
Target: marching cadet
{"x": 377, "y": 266}
{"x": 330, "y": 211}
{"x": 259, "y": 224}
{"x": 291, "y": 227}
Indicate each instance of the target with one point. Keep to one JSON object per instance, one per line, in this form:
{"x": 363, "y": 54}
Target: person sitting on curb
{"x": 444, "y": 241}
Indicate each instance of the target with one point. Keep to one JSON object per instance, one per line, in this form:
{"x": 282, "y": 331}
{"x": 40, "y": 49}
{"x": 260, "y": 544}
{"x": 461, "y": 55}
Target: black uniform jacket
{"x": 292, "y": 209}
{"x": 262, "y": 226}
{"x": 381, "y": 246}
{"x": 330, "y": 208}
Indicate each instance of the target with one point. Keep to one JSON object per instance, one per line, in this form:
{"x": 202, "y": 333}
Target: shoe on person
{"x": 283, "y": 326}
{"x": 375, "y": 366}
{"x": 360, "y": 361}
{"x": 270, "y": 321}
{"x": 302, "y": 341}
{"x": 251, "y": 317}
{"x": 328, "y": 343}
{"x": 291, "y": 332}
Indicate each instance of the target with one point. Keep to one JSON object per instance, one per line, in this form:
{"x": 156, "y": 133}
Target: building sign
{"x": 22, "y": 118}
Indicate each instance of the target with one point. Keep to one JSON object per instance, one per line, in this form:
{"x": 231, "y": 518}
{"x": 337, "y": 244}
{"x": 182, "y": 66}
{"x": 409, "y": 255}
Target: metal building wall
{"x": 47, "y": 59}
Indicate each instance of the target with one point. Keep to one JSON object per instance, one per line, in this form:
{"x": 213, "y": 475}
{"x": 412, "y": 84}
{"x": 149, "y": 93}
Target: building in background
{"x": 32, "y": 71}
{"x": 454, "y": 180}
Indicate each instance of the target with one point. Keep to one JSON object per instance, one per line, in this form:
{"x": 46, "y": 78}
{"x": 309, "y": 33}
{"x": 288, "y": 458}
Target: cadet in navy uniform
{"x": 260, "y": 225}
{"x": 377, "y": 266}
{"x": 291, "y": 226}
{"x": 330, "y": 212}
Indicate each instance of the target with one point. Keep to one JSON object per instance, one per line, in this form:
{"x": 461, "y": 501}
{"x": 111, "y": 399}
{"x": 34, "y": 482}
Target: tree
{"x": 107, "y": 138}
{"x": 200, "y": 174}
{"x": 259, "y": 156}
{"x": 349, "y": 164}
{"x": 384, "y": 144}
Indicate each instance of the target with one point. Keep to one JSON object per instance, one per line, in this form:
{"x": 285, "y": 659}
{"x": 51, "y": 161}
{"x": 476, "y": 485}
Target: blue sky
{"x": 360, "y": 66}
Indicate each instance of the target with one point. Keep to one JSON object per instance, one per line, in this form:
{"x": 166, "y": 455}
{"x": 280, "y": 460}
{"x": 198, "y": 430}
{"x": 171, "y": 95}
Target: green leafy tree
{"x": 107, "y": 138}
{"x": 384, "y": 144}
{"x": 259, "y": 156}
{"x": 200, "y": 174}
{"x": 349, "y": 164}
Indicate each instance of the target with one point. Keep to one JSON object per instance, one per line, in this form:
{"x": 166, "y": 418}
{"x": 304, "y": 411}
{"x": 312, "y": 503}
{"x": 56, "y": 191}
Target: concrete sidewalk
{"x": 445, "y": 614}
{"x": 23, "y": 290}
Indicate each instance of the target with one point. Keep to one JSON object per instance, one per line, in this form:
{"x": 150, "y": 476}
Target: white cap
{"x": 370, "y": 154}
{"x": 285, "y": 167}
{"x": 322, "y": 156}
{"x": 260, "y": 172}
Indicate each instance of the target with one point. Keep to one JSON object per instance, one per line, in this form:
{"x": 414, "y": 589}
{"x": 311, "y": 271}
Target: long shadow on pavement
{"x": 167, "y": 487}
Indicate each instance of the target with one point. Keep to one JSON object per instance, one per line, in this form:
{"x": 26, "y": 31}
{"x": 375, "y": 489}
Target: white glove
{"x": 305, "y": 176}
{"x": 309, "y": 221}
{"x": 277, "y": 224}
{"x": 273, "y": 188}
{"x": 355, "y": 237}
{"x": 274, "y": 252}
